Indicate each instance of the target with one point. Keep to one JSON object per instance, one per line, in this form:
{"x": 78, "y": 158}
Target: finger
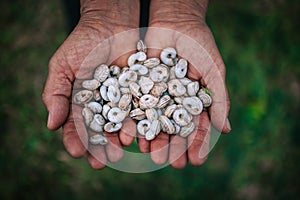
{"x": 75, "y": 137}
{"x": 219, "y": 120}
{"x": 227, "y": 126}
{"x": 113, "y": 148}
{"x": 144, "y": 145}
{"x": 63, "y": 66}
{"x": 97, "y": 157}
{"x": 56, "y": 95}
{"x": 220, "y": 101}
{"x": 207, "y": 66}
{"x": 213, "y": 81}
{"x": 96, "y": 154}
{"x": 94, "y": 162}
{"x": 77, "y": 55}
{"x": 128, "y": 132}
{"x": 160, "y": 149}
{"x": 198, "y": 141}
{"x": 177, "y": 155}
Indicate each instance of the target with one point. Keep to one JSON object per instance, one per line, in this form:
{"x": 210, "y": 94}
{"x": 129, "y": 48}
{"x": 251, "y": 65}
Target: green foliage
{"x": 259, "y": 159}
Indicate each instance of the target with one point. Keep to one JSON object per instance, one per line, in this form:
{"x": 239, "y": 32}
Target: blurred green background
{"x": 259, "y": 41}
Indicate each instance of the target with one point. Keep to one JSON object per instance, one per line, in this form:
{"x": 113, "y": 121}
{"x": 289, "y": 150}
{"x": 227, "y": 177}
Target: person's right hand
{"x": 99, "y": 21}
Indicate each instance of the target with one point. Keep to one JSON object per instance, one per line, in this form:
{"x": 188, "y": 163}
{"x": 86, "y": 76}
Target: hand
{"x": 99, "y": 20}
{"x": 181, "y": 24}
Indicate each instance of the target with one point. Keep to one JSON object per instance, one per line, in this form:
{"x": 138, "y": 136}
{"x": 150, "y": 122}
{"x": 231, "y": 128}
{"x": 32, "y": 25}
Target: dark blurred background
{"x": 259, "y": 41}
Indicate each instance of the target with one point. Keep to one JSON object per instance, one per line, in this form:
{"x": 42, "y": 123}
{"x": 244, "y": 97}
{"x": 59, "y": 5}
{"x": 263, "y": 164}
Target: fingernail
{"x": 49, "y": 120}
{"x": 227, "y": 126}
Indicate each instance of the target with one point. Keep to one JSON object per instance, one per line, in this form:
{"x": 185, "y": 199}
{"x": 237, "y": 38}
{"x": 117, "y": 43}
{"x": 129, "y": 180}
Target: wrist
{"x": 114, "y": 13}
{"x": 180, "y": 11}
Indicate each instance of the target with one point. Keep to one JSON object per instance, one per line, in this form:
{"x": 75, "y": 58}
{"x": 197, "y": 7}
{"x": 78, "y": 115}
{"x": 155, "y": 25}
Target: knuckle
{"x": 44, "y": 97}
{"x": 202, "y": 131}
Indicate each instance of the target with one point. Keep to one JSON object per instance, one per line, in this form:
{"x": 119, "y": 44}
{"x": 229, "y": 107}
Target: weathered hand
{"x": 181, "y": 24}
{"x": 99, "y": 21}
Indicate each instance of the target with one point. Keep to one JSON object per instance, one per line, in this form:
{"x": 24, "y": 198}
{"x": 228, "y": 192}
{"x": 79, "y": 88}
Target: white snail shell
{"x": 169, "y": 56}
{"x": 153, "y": 91}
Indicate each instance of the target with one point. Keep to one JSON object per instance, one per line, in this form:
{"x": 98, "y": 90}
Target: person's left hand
{"x": 182, "y": 25}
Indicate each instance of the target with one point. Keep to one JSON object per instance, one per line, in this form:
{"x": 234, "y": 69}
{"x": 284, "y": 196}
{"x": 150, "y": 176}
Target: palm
{"x": 196, "y": 44}
{"x": 86, "y": 47}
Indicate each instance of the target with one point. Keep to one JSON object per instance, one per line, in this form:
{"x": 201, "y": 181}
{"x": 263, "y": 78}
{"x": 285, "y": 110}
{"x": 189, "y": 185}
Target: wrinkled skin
{"x": 188, "y": 18}
{"x": 95, "y": 26}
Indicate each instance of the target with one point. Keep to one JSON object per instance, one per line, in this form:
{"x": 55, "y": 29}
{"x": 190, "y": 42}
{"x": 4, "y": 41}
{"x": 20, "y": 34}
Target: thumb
{"x": 57, "y": 93}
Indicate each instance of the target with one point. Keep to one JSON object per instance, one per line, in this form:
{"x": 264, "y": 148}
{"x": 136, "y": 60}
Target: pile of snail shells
{"x": 154, "y": 92}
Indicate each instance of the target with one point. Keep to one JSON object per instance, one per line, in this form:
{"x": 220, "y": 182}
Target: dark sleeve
{"x": 72, "y": 13}
{"x": 144, "y": 16}
{"x": 72, "y": 10}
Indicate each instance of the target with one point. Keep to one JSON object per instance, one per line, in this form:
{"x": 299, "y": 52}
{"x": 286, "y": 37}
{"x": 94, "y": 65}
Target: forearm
{"x": 178, "y": 10}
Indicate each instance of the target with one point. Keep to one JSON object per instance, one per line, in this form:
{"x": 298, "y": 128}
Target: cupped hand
{"x": 89, "y": 45}
{"x": 182, "y": 25}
